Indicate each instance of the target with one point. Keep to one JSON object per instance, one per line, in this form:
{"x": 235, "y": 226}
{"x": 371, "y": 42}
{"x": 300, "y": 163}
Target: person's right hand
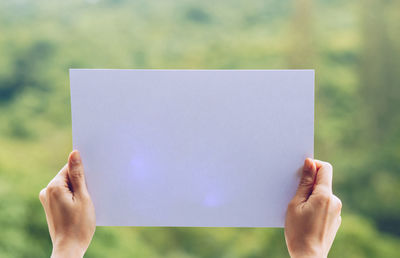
{"x": 313, "y": 215}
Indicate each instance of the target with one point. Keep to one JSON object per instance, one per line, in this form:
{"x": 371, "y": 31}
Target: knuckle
{"x": 42, "y": 194}
{"x": 328, "y": 166}
{"x": 53, "y": 190}
{"x": 76, "y": 174}
{"x": 337, "y": 203}
{"x": 324, "y": 190}
{"x": 323, "y": 199}
{"x": 306, "y": 180}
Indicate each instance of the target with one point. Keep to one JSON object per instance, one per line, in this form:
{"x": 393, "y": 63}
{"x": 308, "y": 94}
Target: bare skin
{"x": 312, "y": 219}
{"x": 69, "y": 210}
{"x": 313, "y": 215}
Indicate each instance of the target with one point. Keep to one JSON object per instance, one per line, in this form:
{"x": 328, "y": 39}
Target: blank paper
{"x": 207, "y": 148}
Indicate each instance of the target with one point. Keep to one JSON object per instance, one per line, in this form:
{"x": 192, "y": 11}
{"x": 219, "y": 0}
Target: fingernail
{"x": 75, "y": 158}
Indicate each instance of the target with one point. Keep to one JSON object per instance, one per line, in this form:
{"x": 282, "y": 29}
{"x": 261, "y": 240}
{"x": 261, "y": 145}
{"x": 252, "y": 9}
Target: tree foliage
{"x": 354, "y": 48}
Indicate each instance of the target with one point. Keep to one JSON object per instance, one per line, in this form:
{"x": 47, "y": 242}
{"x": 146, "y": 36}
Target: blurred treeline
{"x": 354, "y": 46}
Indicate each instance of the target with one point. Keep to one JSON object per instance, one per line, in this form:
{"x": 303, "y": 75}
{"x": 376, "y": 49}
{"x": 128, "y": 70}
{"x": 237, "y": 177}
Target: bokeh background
{"x": 354, "y": 47}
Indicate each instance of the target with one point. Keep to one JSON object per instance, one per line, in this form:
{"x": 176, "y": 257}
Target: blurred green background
{"x": 354, "y": 47}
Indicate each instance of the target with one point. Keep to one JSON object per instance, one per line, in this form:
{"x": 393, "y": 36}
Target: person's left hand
{"x": 69, "y": 210}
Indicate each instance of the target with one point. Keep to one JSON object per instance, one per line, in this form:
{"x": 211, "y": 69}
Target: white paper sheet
{"x": 208, "y": 148}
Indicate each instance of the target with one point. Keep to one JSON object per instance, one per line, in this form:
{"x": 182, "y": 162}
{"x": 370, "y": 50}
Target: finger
{"x": 59, "y": 181}
{"x": 336, "y": 204}
{"x": 63, "y": 172}
{"x": 335, "y": 225}
{"x": 323, "y": 180}
{"x": 307, "y": 180}
{"x": 75, "y": 173}
{"x": 47, "y": 211}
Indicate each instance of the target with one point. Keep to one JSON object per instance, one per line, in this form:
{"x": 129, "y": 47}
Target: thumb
{"x": 75, "y": 172}
{"x": 307, "y": 180}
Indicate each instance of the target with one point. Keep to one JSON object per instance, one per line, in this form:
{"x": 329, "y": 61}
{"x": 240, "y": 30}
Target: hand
{"x": 313, "y": 215}
{"x": 69, "y": 210}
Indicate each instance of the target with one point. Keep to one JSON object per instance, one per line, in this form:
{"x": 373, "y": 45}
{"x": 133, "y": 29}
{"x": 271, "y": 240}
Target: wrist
{"x": 67, "y": 250}
{"x": 307, "y": 256}
{"x": 308, "y": 253}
